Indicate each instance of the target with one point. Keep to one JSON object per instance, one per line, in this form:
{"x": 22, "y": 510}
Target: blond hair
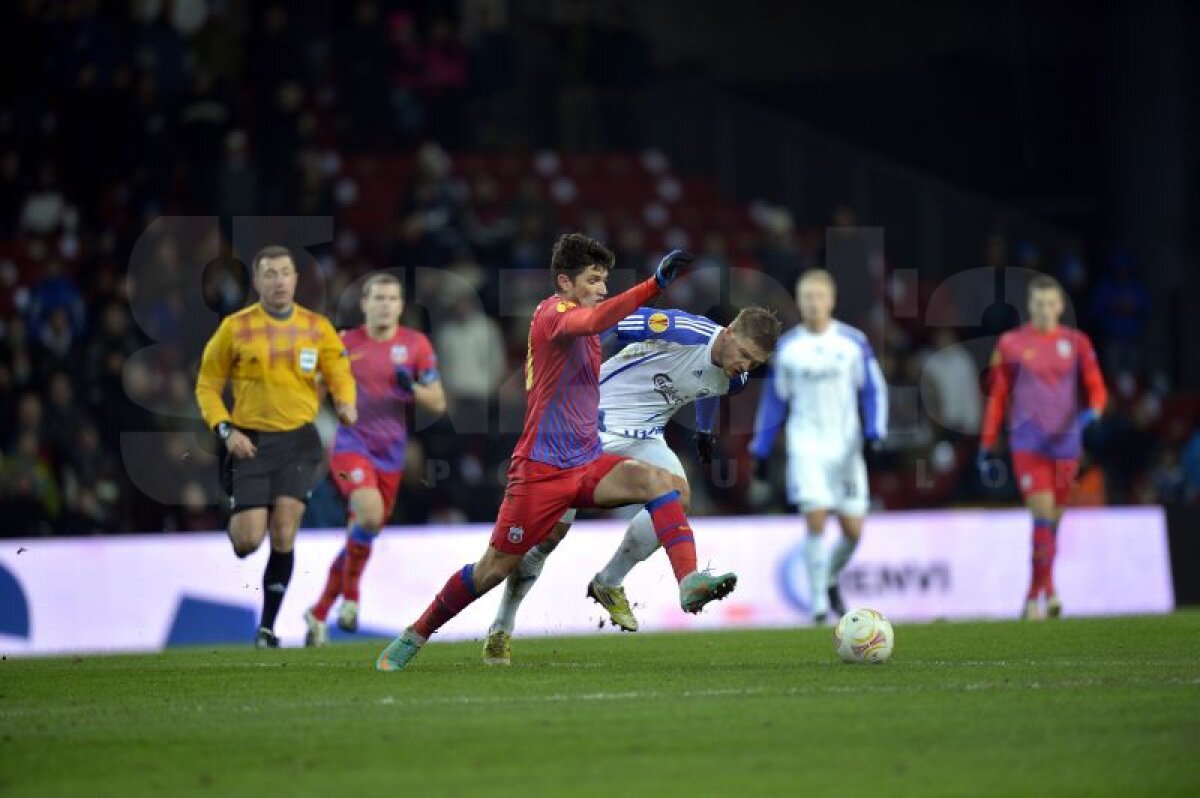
{"x": 819, "y": 275}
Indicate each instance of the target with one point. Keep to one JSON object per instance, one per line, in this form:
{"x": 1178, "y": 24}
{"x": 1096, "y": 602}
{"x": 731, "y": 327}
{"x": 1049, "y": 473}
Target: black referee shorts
{"x": 287, "y": 464}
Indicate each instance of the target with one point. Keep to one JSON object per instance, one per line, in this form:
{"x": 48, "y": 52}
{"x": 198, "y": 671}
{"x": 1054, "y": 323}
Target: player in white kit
{"x": 672, "y": 359}
{"x": 824, "y": 375}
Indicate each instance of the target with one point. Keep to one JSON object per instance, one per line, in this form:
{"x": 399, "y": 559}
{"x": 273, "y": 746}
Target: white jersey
{"x": 822, "y": 382}
{"x": 666, "y": 365}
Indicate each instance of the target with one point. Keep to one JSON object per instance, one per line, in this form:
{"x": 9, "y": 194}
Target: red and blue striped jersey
{"x": 381, "y": 433}
{"x": 562, "y": 368}
{"x": 1038, "y": 376}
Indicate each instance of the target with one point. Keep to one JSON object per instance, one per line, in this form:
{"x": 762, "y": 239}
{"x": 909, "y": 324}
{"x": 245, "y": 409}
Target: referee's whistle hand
{"x": 346, "y": 413}
{"x": 240, "y": 445}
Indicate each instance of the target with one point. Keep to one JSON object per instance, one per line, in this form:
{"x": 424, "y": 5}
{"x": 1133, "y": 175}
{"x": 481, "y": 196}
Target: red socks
{"x": 333, "y": 587}
{"x": 456, "y": 595}
{"x": 1044, "y": 547}
{"x": 674, "y": 533}
{"x": 356, "y": 560}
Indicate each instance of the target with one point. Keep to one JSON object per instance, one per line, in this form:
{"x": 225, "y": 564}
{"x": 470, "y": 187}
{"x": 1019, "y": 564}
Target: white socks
{"x": 818, "y": 574}
{"x": 516, "y": 587}
{"x": 843, "y": 550}
{"x": 638, "y": 544}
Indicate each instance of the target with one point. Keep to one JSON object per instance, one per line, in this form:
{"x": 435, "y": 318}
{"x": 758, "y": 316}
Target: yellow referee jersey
{"x": 273, "y": 365}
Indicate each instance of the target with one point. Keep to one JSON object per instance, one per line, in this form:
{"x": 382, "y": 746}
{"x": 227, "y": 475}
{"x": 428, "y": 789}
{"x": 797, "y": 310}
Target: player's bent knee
{"x": 243, "y": 548}
{"x": 685, "y": 492}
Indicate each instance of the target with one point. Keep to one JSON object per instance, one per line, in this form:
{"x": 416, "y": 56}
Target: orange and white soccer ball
{"x": 864, "y": 635}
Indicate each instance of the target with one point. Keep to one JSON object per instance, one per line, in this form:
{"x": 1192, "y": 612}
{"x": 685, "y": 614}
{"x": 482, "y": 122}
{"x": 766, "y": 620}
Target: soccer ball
{"x": 864, "y": 635}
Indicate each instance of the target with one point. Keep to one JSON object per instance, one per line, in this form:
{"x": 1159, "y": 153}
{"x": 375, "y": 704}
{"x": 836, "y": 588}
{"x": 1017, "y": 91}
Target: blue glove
{"x": 1087, "y": 418}
{"x": 988, "y": 465}
{"x": 669, "y": 266}
{"x": 404, "y": 379}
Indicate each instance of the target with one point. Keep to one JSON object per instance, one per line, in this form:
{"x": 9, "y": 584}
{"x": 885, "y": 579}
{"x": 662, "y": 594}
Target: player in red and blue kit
{"x": 1041, "y": 367}
{"x": 393, "y": 367}
{"x": 558, "y": 463}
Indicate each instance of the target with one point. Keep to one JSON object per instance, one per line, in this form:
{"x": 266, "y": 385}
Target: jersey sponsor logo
{"x": 642, "y": 434}
{"x": 308, "y": 360}
{"x": 658, "y": 322}
{"x": 1064, "y": 348}
{"x": 816, "y": 375}
{"x": 664, "y": 386}
{"x": 515, "y": 534}
{"x": 399, "y": 354}
{"x": 564, "y": 306}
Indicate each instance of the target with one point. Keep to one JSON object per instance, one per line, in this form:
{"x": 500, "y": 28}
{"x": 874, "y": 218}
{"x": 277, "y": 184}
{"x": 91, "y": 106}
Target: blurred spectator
{"x": 56, "y": 292}
{"x": 237, "y": 183}
{"x": 445, "y": 82}
{"x": 1167, "y": 477}
{"x": 32, "y": 500}
{"x": 92, "y": 480}
{"x": 44, "y": 209}
{"x": 777, "y": 253}
{"x": 950, "y": 384}
{"x": 63, "y": 418}
{"x": 1120, "y": 307}
{"x": 471, "y": 359}
{"x": 434, "y": 223}
{"x": 1189, "y": 462}
{"x": 492, "y": 54}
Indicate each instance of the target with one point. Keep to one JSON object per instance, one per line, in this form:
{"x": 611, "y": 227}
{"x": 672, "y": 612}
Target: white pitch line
{"x": 642, "y": 695}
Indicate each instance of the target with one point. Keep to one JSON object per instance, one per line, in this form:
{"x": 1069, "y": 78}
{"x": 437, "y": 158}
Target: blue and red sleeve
{"x": 999, "y": 381}
{"x": 426, "y": 366}
{"x": 567, "y": 319}
{"x": 1089, "y": 369}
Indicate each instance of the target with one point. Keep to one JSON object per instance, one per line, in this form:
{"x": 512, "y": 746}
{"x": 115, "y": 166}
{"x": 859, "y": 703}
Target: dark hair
{"x": 272, "y": 251}
{"x": 759, "y": 326}
{"x": 381, "y": 278}
{"x": 1044, "y": 282}
{"x": 574, "y": 252}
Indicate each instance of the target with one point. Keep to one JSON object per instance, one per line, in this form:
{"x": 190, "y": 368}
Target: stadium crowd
{"x": 130, "y": 113}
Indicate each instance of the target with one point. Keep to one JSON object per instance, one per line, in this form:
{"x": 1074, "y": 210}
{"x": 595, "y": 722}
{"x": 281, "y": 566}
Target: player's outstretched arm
{"x": 593, "y": 321}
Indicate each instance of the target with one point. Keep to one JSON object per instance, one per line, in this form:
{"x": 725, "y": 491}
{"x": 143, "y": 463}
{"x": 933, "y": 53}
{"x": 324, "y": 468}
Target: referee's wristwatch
{"x": 224, "y": 430}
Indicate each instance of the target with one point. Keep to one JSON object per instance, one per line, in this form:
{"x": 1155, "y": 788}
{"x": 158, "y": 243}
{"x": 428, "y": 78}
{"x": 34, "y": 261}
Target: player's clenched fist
{"x": 670, "y": 266}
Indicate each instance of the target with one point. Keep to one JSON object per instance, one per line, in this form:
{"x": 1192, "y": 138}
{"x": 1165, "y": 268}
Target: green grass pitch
{"x": 1077, "y": 707}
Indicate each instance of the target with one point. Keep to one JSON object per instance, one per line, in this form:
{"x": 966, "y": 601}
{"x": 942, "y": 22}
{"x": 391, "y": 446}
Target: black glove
{"x": 705, "y": 443}
{"x": 404, "y": 379}
{"x": 759, "y": 470}
{"x": 670, "y": 266}
{"x": 872, "y": 453}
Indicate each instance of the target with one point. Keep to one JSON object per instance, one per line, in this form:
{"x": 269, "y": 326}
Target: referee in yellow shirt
{"x": 272, "y": 353}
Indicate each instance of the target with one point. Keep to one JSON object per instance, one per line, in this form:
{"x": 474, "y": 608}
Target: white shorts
{"x": 817, "y": 482}
{"x": 649, "y": 450}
